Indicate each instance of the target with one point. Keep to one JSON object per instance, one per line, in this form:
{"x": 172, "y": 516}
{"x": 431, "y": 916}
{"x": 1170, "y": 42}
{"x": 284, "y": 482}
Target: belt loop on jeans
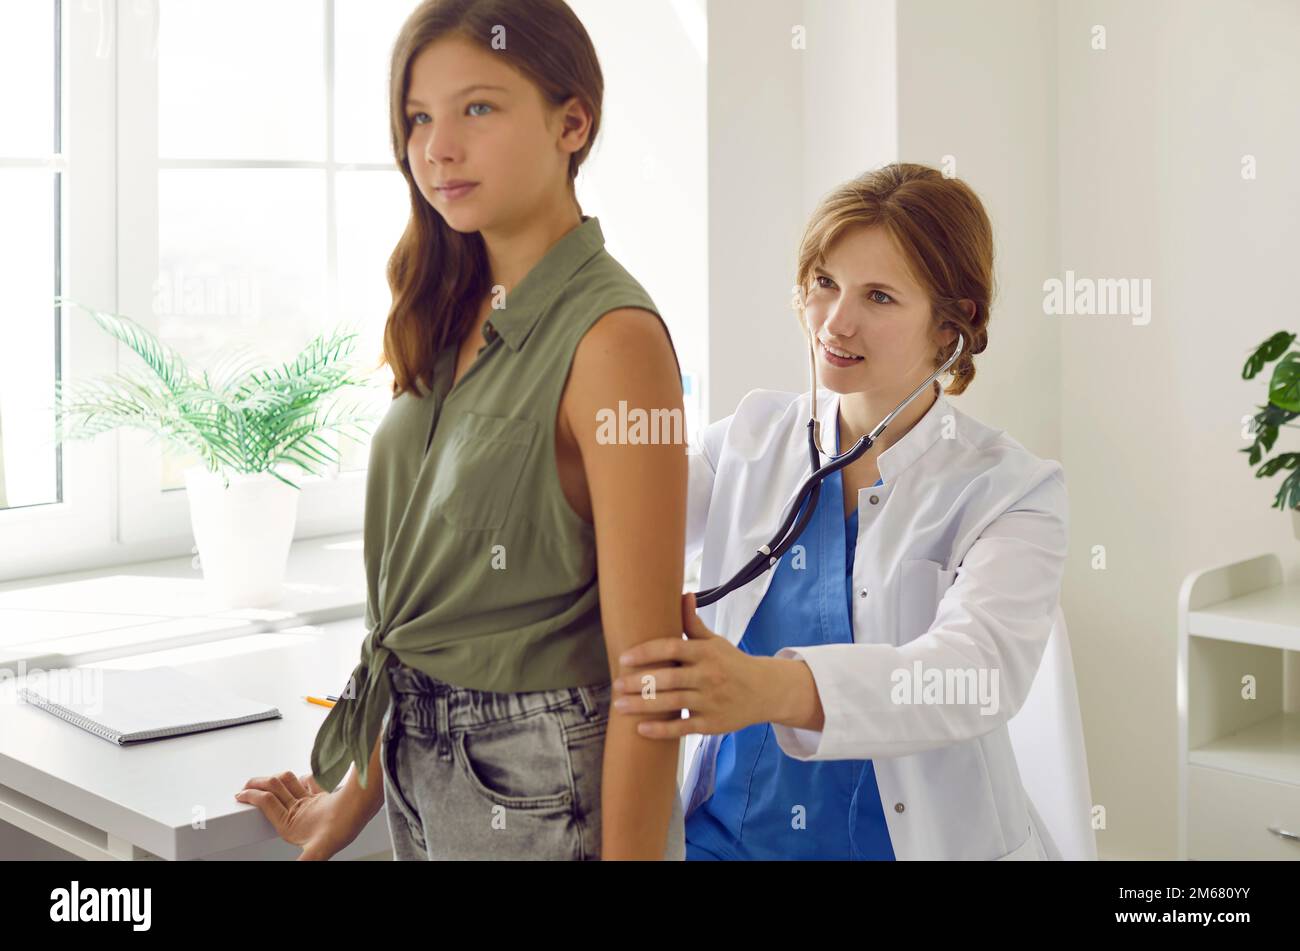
{"x": 442, "y": 724}
{"x": 588, "y": 704}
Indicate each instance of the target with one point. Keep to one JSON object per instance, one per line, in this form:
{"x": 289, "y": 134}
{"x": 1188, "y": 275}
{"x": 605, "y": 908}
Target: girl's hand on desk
{"x": 303, "y": 813}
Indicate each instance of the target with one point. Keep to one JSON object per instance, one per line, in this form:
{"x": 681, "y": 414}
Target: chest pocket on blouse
{"x": 478, "y": 469}
{"x": 921, "y": 587}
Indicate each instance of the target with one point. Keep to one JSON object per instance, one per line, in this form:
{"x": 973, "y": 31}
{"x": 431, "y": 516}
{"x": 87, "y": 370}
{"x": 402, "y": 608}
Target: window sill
{"x": 81, "y": 617}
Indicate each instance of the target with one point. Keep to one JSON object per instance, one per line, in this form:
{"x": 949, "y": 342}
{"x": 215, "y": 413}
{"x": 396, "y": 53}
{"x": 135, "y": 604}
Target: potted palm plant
{"x": 250, "y": 427}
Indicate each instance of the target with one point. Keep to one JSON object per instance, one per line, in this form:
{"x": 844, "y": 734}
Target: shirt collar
{"x": 533, "y": 295}
{"x": 901, "y": 454}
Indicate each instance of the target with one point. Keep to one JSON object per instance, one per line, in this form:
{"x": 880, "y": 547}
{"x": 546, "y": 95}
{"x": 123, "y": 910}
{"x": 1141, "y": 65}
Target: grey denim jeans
{"x": 470, "y": 774}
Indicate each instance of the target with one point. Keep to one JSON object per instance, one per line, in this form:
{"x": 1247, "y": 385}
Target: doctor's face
{"x": 871, "y": 321}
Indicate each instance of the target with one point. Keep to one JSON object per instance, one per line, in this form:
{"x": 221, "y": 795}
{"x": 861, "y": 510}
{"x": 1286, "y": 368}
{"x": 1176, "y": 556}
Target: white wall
{"x": 755, "y": 194}
{"x": 1152, "y": 133}
{"x": 646, "y": 176}
{"x": 850, "y": 93}
{"x": 976, "y": 86}
{"x": 791, "y": 115}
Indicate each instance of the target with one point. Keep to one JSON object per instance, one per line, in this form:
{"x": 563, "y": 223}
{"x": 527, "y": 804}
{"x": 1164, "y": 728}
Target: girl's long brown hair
{"x": 437, "y": 275}
{"x": 940, "y": 227}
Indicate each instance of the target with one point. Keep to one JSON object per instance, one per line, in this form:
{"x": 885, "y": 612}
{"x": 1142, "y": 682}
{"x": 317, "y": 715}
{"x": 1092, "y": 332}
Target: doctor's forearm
{"x": 790, "y": 694}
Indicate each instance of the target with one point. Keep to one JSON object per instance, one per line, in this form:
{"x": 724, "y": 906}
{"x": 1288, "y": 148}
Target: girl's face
{"x": 474, "y": 119}
{"x": 863, "y": 304}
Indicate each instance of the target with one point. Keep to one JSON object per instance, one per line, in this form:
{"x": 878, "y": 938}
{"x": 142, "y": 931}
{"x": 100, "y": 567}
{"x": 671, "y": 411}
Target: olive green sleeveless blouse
{"x": 478, "y": 571}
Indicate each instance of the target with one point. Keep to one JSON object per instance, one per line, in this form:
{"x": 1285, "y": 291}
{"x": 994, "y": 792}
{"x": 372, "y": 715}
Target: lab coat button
{"x": 862, "y": 592}
{"x": 898, "y": 807}
{"x": 875, "y": 499}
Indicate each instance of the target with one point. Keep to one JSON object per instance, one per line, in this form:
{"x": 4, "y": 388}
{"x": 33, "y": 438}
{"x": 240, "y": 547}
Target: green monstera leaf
{"x": 1284, "y": 388}
{"x": 1283, "y": 407}
{"x": 1269, "y": 350}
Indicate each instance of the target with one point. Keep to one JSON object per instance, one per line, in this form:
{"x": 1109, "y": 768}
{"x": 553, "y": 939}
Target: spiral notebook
{"x": 127, "y": 706}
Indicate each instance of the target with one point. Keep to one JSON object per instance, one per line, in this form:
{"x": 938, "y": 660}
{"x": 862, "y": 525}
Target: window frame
{"x": 45, "y": 536}
{"x": 109, "y": 253}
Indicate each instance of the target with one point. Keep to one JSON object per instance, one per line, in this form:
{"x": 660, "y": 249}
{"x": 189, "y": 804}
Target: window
{"x": 263, "y": 200}
{"x": 31, "y": 185}
{"x": 223, "y": 174}
{"x": 277, "y": 200}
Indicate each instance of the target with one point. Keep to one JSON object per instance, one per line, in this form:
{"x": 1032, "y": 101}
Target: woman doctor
{"x": 852, "y": 702}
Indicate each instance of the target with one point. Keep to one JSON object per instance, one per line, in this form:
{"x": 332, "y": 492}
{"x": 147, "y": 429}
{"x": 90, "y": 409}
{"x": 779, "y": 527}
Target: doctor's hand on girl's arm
{"x": 724, "y": 688}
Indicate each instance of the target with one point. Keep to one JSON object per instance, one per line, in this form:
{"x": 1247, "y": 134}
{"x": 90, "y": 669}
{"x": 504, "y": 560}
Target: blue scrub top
{"x": 765, "y": 804}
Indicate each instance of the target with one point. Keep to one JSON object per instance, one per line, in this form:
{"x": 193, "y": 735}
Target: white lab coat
{"x": 959, "y": 560}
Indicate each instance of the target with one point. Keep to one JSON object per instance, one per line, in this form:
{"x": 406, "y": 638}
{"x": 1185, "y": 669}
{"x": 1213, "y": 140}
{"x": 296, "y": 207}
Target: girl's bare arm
{"x": 638, "y": 500}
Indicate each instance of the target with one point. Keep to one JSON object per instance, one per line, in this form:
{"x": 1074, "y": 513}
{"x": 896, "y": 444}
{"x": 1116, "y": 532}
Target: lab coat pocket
{"x": 922, "y": 584}
{"x": 1029, "y": 851}
{"x": 478, "y": 470}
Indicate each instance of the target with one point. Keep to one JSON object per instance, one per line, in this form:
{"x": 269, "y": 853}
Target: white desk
{"x": 97, "y": 800}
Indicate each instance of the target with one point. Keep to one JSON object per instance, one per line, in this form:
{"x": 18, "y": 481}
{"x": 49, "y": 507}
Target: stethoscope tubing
{"x": 769, "y": 554}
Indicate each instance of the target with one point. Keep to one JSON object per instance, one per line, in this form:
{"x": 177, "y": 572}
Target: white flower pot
{"x": 1295, "y": 523}
{"x": 243, "y": 534}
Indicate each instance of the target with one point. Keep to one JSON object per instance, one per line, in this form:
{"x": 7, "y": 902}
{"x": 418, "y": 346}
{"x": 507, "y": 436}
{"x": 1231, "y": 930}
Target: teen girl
{"x": 511, "y": 556}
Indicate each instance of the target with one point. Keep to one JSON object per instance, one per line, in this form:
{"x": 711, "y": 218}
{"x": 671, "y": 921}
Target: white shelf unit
{"x": 1239, "y": 756}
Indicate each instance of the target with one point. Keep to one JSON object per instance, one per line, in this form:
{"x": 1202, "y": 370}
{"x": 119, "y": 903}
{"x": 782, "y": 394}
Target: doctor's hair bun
{"x": 941, "y": 229}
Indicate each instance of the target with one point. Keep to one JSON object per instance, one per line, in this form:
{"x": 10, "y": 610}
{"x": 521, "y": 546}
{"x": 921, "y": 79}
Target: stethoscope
{"x": 769, "y": 554}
